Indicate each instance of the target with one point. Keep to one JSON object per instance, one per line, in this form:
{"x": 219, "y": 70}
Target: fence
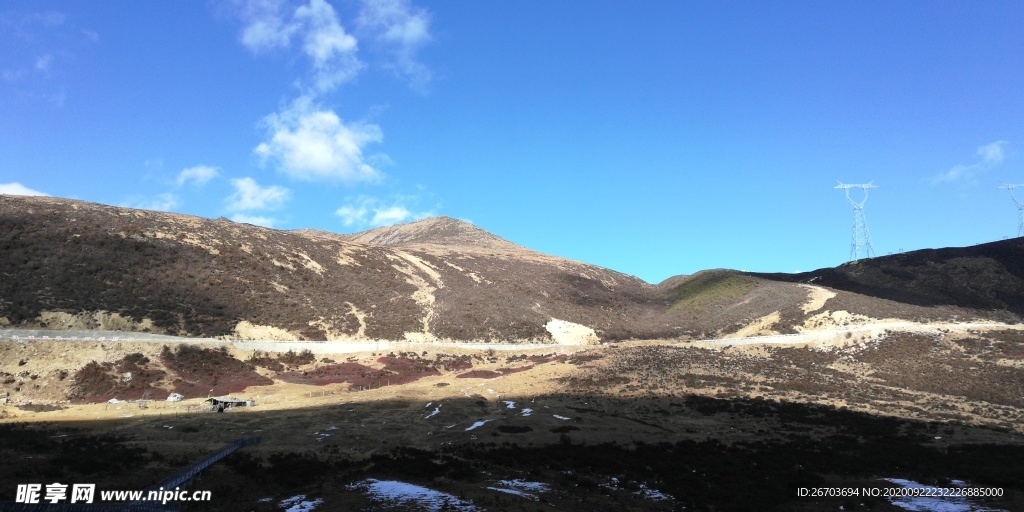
{"x": 176, "y": 480}
{"x": 183, "y": 476}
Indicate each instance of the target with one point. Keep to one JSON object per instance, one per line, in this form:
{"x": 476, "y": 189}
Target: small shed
{"x": 219, "y": 404}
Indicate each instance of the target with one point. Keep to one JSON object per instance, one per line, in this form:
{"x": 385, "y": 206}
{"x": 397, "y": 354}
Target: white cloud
{"x": 250, "y": 196}
{"x": 325, "y": 41}
{"x": 159, "y": 202}
{"x": 403, "y": 29}
{"x": 266, "y": 28}
{"x": 257, "y": 220}
{"x": 305, "y": 140}
{"x": 199, "y": 175}
{"x": 993, "y": 153}
{"x": 989, "y": 155}
{"x": 332, "y": 50}
{"x": 43, "y": 63}
{"x": 309, "y": 143}
{"x": 17, "y": 189}
{"x": 365, "y": 211}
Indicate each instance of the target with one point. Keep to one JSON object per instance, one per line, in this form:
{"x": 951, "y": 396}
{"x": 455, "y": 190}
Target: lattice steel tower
{"x": 1020, "y": 207}
{"x": 861, "y": 242}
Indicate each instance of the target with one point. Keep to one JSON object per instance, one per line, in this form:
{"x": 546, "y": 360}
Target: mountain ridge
{"x": 71, "y": 263}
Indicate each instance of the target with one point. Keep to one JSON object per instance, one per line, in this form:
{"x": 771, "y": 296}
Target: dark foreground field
{"x": 596, "y": 453}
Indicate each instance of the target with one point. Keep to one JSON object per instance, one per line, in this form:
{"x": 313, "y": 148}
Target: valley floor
{"x": 644, "y": 425}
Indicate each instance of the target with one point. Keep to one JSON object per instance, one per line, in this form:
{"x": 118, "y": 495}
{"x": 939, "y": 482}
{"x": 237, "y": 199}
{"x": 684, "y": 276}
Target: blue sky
{"x": 656, "y": 139}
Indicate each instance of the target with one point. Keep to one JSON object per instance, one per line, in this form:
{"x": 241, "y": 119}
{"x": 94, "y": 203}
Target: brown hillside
{"x": 72, "y": 264}
{"x": 69, "y": 263}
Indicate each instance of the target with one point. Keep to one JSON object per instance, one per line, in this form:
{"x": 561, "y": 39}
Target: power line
{"x": 861, "y": 239}
{"x": 1020, "y": 207}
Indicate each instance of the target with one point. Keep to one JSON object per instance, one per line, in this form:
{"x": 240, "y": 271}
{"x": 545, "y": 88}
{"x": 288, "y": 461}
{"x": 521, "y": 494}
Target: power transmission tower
{"x": 861, "y": 242}
{"x": 1020, "y": 208}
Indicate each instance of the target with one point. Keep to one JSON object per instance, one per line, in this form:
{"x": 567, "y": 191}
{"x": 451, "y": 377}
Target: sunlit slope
{"x": 75, "y": 264}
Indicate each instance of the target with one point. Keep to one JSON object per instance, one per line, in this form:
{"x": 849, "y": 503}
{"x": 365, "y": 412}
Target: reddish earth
{"x": 204, "y": 371}
{"x": 355, "y": 374}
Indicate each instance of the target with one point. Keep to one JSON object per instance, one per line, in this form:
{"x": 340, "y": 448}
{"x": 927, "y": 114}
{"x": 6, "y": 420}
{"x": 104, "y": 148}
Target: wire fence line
{"x": 188, "y": 473}
{"x": 177, "y": 479}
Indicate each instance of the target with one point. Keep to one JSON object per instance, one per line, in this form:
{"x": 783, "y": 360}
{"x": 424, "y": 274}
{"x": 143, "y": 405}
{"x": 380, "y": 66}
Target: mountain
{"x": 72, "y": 264}
{"x": 437, "y": 231}
{"x": 985, "y": 277}
{"x": 68, "y": 263}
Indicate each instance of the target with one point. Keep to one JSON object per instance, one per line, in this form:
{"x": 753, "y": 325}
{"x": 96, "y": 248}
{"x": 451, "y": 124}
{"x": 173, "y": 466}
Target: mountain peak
{"x": 440, "y": 230}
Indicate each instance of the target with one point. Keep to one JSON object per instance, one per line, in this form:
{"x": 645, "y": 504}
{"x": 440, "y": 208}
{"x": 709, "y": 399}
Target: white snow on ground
{"x": 437, "y": 411}
{"x": 644, "y": 492}
{"x": 521, "y": 494}
{"x": 477, "y": 424}
{"x": 561, "y": 417}
{"x": 652, "y": 494}
{"x": 428, "y": 405}
{"x": 299, "y": 504}
{"x": 933, "y": 504}
{"x": 526, "y": 486}
{"x": 527, "y": 411}
{"x": 510, "y": 404}
{"x": 519, "y": 488}
{"x": 405, "y": 495}
{"x": 320, "y": 436}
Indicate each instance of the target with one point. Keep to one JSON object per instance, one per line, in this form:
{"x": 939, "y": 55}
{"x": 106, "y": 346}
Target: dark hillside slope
{"x": 983, "y": 277}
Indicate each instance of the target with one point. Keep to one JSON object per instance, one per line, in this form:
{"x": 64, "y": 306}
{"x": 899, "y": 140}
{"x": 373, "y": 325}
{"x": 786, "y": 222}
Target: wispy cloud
{"x": 403, "y": 30}
{"x": 17, "y": 189}
{"x": 249, "y": 195}
{"x": 305, "y": 139}
{"x": 325, "y": 42}
{"x": 160, "y": 202}
{"x": 43, "y": 62}
{"x": 988, "y": 156}
{"x": 365, "y": 211}
{"x": 48, "y": 18}
{"x": 332, "y": 51}
{"x": 199, "y": 175}
{"x": 257, "y": 220}
{"x": 267, "y": 26}
{"x": 310, "y": 143}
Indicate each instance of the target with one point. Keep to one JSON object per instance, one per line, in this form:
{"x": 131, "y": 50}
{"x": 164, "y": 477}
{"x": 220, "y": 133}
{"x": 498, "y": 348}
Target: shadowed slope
{"x": 985, "y": 277}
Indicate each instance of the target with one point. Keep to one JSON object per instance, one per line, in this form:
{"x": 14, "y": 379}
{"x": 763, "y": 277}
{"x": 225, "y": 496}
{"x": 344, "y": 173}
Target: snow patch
{"x": 300, "y": 504}
{"x": 477, "y": 424}
{"x": 933, "y": 504}
{"x": 652, "y": 494}
{"x": 527, "y": 411}
{"x": 437, "y": 411}
{"x": 407, "y": 495}
{"x": 521, "y": 488}
{"x": 560, "y": 417}
{"x": 509, "y": 404}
